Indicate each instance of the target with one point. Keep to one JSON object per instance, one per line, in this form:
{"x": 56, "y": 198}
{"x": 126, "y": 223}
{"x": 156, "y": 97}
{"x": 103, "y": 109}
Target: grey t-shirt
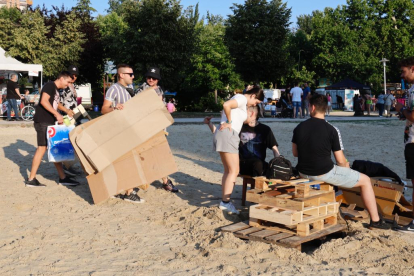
{"x": 117, "y": 94}
{"x": 389, "y": 99}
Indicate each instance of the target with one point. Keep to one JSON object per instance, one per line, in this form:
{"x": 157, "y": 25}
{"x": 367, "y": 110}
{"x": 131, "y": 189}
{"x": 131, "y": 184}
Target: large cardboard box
{"x": 146, "y": 163}
{"x": 105, "y": 140}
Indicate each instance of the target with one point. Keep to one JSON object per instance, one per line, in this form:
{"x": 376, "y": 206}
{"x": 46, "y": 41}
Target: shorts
{"x": 296, "y": 104}
{"x": 41, "y": 130}
{"x": 338, "y": 176}
{"x": 273, "y": 112}
{"x": 409, "y": 160}
{"x": 226, "y": 141}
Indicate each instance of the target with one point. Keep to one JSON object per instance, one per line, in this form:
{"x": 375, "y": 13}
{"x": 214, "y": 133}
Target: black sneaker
{"x": 133, "y": 197}
{"x": 379, "y": 225}
{"x": 33, "y": 183}
{"x": 118, "y": 196}
{"x": 71, "y": 171}
{"x": 406, "y": 229}
{"x": 169, "y": 187}
{"x": 67, "y": 181}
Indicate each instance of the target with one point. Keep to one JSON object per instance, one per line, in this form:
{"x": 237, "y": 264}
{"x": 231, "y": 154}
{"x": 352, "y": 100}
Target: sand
{"x": 59, "y": 231}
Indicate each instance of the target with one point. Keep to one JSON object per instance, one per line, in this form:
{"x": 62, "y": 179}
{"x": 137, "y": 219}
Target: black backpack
{"x": 279, "y": 168}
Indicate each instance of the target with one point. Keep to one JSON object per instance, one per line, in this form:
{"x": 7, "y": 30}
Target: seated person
{"x": 255, "y": 138}
{"x": 313, "y": 142}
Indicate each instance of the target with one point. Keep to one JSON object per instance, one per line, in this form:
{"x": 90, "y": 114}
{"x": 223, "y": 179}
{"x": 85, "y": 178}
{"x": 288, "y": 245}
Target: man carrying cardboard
{"x": 313, "y": 142}
{"x": 152, "y": 78}
{"x": 407, "y": 73}
{"x": 46, "y": 115}
{"x": 115, "y": 98}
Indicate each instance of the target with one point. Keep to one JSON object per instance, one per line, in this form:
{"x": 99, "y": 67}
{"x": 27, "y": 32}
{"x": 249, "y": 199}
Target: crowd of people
{"x": 240, "y": 139}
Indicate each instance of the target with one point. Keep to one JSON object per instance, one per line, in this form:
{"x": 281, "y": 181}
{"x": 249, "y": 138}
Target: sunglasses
{"x": 130, "y": 74}
{"x": 151, "y": 78}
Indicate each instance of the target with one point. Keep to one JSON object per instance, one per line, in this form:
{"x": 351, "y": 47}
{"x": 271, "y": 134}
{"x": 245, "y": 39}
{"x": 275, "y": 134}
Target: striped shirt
{"x": 117, "y": 94}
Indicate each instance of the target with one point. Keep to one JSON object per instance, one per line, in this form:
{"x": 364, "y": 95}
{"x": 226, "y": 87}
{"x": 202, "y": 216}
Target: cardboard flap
{"x": 118, "y": 132}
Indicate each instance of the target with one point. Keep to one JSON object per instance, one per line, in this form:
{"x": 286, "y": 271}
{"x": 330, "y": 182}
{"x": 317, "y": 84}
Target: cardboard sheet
{"x": 117, "y": 133}
{"x": 144, "y": 164}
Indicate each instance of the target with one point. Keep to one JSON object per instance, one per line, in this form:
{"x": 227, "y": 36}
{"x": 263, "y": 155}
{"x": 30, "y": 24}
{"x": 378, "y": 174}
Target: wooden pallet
{"x": 243, "y": 230}
{"x": 287, "y": 216}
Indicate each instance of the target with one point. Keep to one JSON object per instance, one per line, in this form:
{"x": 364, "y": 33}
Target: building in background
{"x": 21, "y": 4}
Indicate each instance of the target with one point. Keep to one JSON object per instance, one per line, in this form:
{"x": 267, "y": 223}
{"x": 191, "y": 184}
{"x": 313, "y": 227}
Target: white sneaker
{"x": 228, "y": 207}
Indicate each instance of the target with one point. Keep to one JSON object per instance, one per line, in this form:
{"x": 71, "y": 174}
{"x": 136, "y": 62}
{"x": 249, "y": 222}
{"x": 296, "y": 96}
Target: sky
{"x": 215, "y": 7}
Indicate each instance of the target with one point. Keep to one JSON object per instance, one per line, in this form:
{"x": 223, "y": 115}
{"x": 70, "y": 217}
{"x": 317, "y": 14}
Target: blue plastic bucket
{"x": 96, "y": 108}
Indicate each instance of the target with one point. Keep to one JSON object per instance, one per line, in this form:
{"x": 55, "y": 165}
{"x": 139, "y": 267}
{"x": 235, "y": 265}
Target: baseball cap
{"x": 73, "y": 70}
{"x": 153, "y": 72}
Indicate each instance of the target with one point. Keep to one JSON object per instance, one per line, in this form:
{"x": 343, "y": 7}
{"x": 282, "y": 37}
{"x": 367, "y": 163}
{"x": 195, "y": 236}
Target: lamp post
{"x": 384, "y": 62}
{"x": 299, "y": 58}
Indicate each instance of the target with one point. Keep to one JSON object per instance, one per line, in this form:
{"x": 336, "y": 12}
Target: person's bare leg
{"x": 368, "y": 196}
{"x": 164, "y": 180}
{"x": 59, "y": 168}
{"x": 231, "y": 171}
{"x": 37, "y": 159}
{"x": 294, "y": 112}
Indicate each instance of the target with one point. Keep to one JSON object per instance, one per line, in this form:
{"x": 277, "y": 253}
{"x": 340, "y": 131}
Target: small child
{"x": 170, "y": 106}
{"x": 273, "y": 110}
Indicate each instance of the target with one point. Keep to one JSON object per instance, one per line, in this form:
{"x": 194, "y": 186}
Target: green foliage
{"x": 256, "y": 35}
{"x": 30, "y": 40}
{"x": 208, "y": 102}
{"x": 212, "y": 67}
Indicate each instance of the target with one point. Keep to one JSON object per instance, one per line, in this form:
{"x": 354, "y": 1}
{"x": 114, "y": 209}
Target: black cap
{"x": 73, "y": 70}
{"x": 154, "y": 72}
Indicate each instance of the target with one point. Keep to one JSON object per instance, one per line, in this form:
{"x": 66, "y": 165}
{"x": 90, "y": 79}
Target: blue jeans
{"x": 12, "y": 103}
{"x": 297, "y": 105}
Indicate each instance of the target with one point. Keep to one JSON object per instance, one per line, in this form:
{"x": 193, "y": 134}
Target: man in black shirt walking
{"x": 46, "y": 115}
{"x": 313, "y": 141}
{"x": 13, "y": 94}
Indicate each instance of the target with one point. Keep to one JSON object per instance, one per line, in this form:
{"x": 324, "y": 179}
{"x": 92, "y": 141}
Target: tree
{"x": 30, "y": 40}
{"x": 212, "y": 67}
{"x": 256, "y": 36}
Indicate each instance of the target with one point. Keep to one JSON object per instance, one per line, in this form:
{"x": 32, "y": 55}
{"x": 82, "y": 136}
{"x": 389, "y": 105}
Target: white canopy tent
{"x": 11, "y": 64}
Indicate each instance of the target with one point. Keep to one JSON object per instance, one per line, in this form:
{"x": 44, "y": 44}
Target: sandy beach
{"x": 57, "y": 230}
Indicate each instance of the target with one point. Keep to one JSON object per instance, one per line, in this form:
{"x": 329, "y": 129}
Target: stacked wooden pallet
{"x": 295, "y": 204}
{"x": 290, "y": 213}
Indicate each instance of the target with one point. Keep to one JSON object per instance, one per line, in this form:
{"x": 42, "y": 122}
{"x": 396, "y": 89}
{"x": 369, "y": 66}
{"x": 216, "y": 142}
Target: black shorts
{"x": 409, "y": 160}
{"x": 41, "y": 130}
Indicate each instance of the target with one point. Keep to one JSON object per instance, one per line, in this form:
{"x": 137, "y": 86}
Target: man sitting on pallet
{"x": 255, "y": 138}
{"x": 313, "y": 141}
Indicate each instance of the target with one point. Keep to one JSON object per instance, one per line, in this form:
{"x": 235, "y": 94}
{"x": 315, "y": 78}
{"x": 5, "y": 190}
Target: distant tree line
{"x": 200, "y": 56}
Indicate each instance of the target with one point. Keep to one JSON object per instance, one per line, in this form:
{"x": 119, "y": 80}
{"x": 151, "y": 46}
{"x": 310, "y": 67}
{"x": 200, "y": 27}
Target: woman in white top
{"x": 226, "y": 140}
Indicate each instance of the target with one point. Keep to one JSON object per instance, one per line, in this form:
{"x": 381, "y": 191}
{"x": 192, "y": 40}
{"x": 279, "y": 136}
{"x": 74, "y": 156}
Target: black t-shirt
{"x": 316, "y": 139}
{"x": 42, "y": 115}
{"x": 11, "y": 90}
{"x": 255, "y": 140}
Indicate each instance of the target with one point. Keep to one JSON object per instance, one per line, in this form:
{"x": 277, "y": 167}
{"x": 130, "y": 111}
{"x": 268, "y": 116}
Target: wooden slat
{"x": 295, "y": 241}
{"x": 314, "y": 194}
{"x": 277, "y": 237}
{"x": 247, "y": 231}
{"x": 285, "y": 229}
{"x": 235, "y": 227}
{"x": 295, "y": 181}
{"x": 258, "y": 236}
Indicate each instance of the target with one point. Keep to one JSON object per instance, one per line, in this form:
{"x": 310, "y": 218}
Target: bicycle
{"x": 28, "y": 111}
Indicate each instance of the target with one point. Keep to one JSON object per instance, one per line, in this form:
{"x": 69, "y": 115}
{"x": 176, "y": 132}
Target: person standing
{"x": 328, "y": 110}
{"x": 152, "y": 77}
{"x": 68, "y": 96}
{"x": 13, "y": 94}
{"x": 296, "y": 93}
{"x": 226, "y": 140}
{"x": 45, "y": 115}
{"x": 314, "y": 141}
{"x": 407, "y": 73}
{"x": 389, "y": 100}
{"x": 380, "y": 103}
{"x": 305, "y": 100}
{"x": 115, "y": 98}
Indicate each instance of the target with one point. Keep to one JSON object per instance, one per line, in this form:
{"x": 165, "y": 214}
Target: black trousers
{"x": 253, "y": 167}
